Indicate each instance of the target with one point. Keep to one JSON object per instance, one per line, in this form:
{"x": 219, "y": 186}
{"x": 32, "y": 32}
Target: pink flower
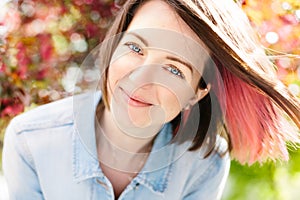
{"x": 46, "y": 48}
{"x": 11, "y": 107}
{"x": 289, "y": 19}
{"x": 11, "y": 20}
{"x": 282, "y": 73}
{"x": 285, "y": 31}
{"x": 91, "y": 30}
{"x": 88, "y": 1}
{"x": 2, "y": 67}
{"x": 23, "y": 61}
{"x": 42, "y": 73}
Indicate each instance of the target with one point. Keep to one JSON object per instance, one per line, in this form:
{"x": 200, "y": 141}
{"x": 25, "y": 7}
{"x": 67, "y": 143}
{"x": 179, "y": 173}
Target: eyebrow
{"x": 139, "y": 37}
{"x": 167, "y": 57}
{"x": 180, "y": 61}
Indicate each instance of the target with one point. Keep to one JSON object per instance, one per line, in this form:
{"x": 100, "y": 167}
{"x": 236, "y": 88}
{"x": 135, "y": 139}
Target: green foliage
{"x": 270, "y": 181}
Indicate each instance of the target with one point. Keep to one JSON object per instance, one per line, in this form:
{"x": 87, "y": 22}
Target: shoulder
{"x": 207, "y": 176}
{"x": 218, "y": 157}
{"x": 45, "y": 116}
{"x": 217, "y": 166}
{"x": 218, "y": 162}
{"x": 200, "y": 177}
{"x": 200, "y": 168}
{"x": 47, "y": 128}
{"x": 54, "y": 114}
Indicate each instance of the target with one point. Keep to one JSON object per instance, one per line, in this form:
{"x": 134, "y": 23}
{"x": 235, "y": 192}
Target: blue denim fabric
{"x": 50, "y": 153}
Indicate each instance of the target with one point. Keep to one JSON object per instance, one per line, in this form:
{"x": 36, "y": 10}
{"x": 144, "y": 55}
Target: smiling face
{"x": 155, "y": 70}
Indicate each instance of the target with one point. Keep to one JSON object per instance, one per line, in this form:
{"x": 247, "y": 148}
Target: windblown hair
{"x": 255, "y": 102}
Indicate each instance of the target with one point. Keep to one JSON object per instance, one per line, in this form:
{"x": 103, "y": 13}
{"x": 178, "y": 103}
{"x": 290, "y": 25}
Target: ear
{"x": 200, "y": 94}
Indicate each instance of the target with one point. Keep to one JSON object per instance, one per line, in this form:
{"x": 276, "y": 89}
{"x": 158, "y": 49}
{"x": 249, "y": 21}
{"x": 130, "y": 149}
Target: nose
{"x": 143, "y": 78}
{"x": 147, "y": 71}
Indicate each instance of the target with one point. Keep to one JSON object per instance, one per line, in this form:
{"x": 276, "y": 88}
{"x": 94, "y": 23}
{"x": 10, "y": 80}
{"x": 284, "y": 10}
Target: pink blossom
{"x": 23, "y": 61}
{"x": 91, "y": 30}
{"x": 11, "y": 20}
{"x": 46, "y": 47}
{"x": 282, "y": 73}
{"x": 289, "y": 19}
{"x": 42, "y": 73}
{"x": 285, "y": 31}
{"x": 12, "y": 107}
{"x": 2, "y": 67}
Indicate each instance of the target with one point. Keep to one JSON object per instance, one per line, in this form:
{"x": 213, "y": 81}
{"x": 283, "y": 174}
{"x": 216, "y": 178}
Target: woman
{"x": 180, "y": 80}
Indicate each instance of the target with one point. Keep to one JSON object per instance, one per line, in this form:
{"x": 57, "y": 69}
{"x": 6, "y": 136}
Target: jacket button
{"x": 136, "y": 186}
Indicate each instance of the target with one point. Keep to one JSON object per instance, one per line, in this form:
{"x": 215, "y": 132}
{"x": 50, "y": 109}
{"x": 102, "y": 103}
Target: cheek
{"x": 117, "y": 70}
{"x": 120, "y": 67}
{"x": 115, "y": 73}
{"x": 195, "y": 81}
{"x": 169, "y": 102}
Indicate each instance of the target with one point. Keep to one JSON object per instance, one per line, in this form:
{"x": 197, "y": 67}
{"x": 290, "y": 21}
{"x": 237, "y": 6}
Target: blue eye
{"x": 135, "y": 48}
{"x": 174, "y": 70}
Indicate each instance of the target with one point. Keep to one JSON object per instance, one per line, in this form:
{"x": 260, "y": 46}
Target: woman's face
{"x": 155, "y": 70}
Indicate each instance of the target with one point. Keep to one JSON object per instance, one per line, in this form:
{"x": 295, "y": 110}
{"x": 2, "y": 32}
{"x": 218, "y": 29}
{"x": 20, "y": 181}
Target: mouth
{"x": 134, "y": 100}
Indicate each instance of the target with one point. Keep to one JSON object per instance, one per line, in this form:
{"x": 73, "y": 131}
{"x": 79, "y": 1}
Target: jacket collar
{"x": 85, "y": 162}
{"x": 157, "y": 170}
{"x": 155, "y": 173}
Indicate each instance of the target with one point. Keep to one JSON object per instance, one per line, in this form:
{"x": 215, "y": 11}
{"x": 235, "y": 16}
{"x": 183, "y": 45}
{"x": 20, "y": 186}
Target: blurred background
{"x": 43, "y": 43}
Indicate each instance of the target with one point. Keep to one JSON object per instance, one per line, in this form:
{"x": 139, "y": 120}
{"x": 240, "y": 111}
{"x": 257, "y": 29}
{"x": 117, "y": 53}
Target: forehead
{"x": 161, "y": 27}
{"x": 159, "y": 14}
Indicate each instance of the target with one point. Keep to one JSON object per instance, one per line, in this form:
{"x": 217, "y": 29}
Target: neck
{"x": 126, "y": 153}
{"x": 119, "y": 138}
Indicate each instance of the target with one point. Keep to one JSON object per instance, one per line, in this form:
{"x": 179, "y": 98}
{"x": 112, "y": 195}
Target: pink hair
{"x": 257, "y": 129}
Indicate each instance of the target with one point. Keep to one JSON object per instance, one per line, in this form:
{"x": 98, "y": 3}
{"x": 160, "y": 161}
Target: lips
{"x": 135, "y": 100}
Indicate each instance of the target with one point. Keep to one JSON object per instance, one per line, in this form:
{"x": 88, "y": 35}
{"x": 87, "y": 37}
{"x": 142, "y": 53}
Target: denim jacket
{"x": 46, "y": 157}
